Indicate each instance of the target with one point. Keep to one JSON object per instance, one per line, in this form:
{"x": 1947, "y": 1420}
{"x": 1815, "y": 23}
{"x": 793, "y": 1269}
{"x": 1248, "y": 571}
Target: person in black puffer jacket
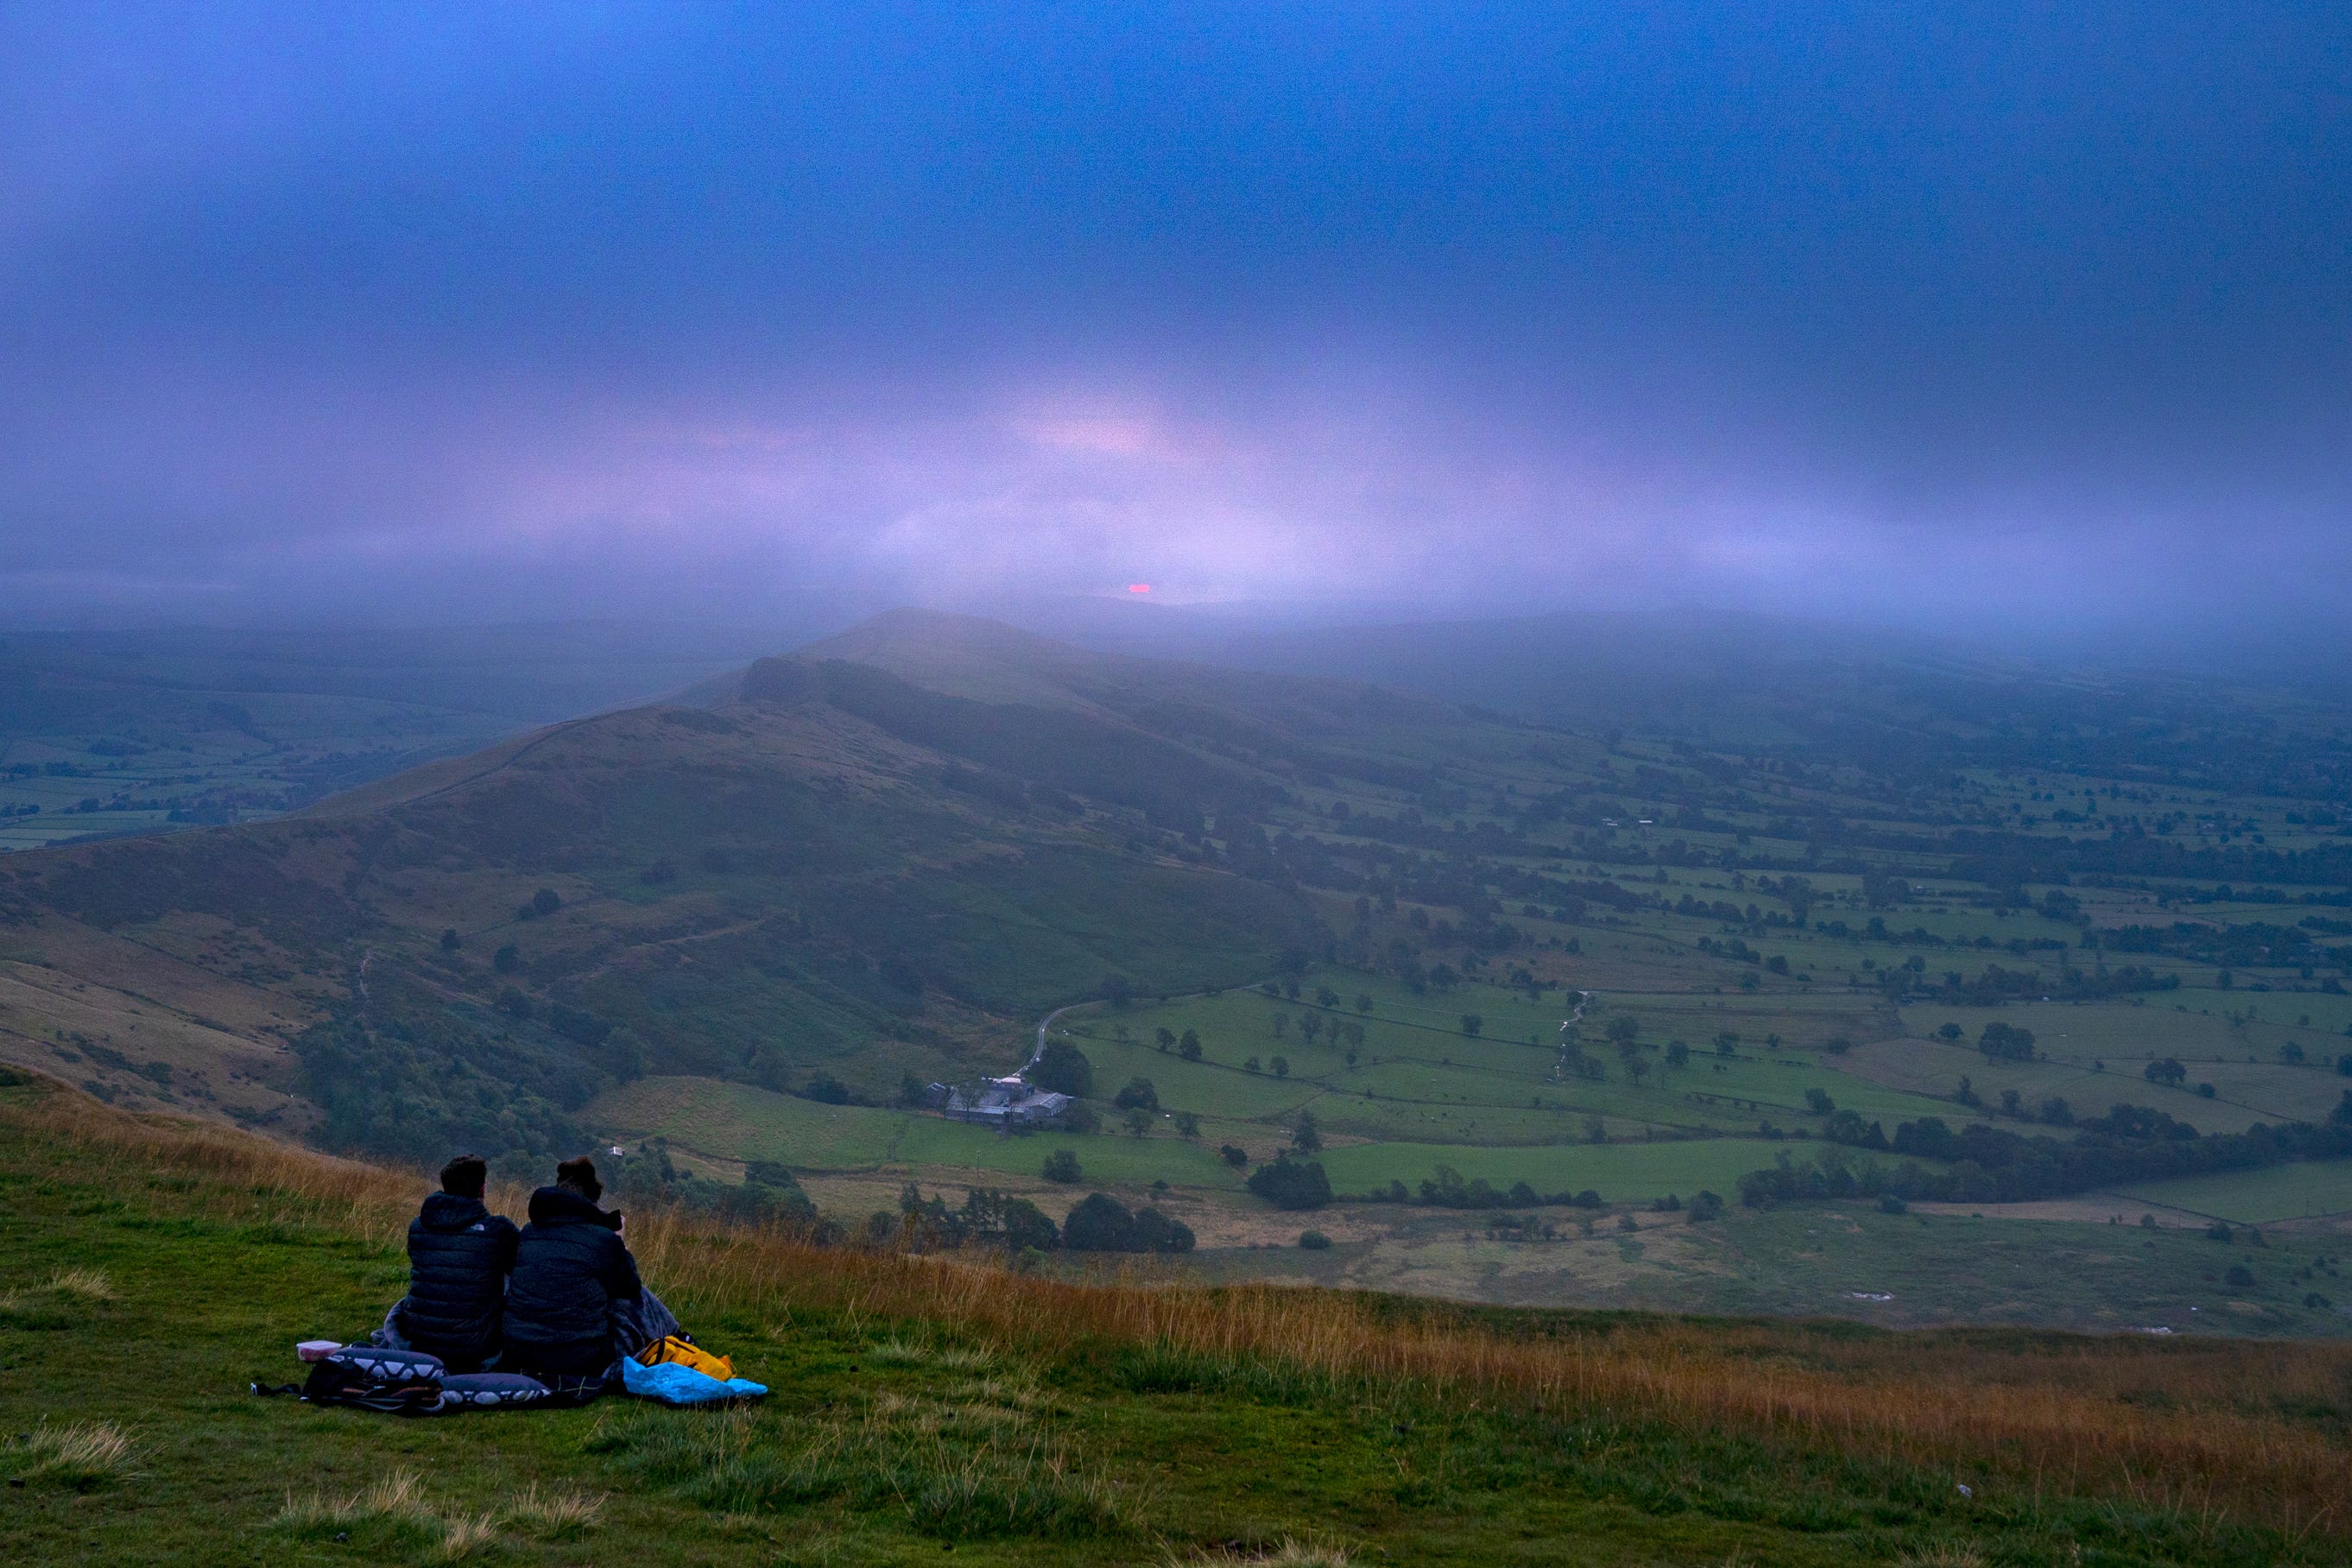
{"x": 458, "y": 1255}
{"x": 571, "y": 1268}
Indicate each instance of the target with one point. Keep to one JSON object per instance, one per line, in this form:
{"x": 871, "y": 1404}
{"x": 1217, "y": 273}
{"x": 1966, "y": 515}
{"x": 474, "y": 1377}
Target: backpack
{"x": 394, "y": 1383}
{"x": 678, "y": 1348}
{"x": 490, "y": 1391}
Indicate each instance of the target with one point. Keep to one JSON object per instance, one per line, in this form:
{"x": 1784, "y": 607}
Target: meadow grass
{"x": 2196, "y": 1440}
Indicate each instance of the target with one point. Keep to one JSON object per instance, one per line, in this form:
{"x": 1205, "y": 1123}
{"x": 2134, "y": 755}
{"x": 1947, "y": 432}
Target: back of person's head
{"x": 464, "y": 1175}
{"x": 580, "y": 1176}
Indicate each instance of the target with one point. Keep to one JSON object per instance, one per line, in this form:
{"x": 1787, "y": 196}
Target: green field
{"x": 2256, "y": 1197}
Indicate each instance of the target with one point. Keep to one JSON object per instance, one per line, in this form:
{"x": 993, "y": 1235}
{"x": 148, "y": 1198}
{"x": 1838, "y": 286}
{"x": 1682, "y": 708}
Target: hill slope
{"x": 946, "y": 1410}
{"x": 830, "y": 872}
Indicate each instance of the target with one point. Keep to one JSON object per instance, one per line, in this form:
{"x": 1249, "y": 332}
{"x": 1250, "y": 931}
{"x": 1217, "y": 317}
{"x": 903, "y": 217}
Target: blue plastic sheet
{"x": 674, "y": 1384}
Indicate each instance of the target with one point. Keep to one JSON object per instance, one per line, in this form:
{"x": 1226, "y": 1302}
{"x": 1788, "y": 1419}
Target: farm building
{"x": 997, "y": 1101}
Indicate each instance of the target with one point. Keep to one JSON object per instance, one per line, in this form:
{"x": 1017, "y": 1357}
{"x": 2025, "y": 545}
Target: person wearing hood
{"x": 458, "y": 1255}
{"x": 574, "y": 1303}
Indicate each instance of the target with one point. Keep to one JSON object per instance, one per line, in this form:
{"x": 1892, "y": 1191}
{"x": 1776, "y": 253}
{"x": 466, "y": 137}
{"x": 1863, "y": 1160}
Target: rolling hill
{"x": 820, "y": 869}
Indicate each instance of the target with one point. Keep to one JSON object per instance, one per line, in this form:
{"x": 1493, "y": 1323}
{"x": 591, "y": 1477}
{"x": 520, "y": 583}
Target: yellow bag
{"x": 671, "y": 1348}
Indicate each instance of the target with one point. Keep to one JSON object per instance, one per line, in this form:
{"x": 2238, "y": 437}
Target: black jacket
{"x": 569, "y": 1263}
{"x": 458, "y": 1255}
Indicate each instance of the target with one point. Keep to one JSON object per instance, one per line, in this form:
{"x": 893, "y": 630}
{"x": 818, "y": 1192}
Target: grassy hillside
{"x": 939, "y": 1409}
{"x": 106, "y": 733}
{"x": 796, "y": 886}
{"x": 2066, "y": 954}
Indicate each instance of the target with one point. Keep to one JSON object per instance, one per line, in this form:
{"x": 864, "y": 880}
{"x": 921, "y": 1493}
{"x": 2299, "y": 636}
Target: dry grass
{"x": 89, "y": 1284}
{"x": 1956, "y": 1557}
{"x": 399, "y": 1500}
{"x": 398, "y": 1496}
{"x": 2187, "y": 1425}
{"x": 553, "y": 1515}
{"x": 80, "y": 1456}
{"x": 1284, "y": 1554}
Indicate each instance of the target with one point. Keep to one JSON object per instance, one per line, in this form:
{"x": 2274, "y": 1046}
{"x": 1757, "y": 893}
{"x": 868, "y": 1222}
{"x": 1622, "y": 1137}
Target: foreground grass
{"x": 926, "y": 1409}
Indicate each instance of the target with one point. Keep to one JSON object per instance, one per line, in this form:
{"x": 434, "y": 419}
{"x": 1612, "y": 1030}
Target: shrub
{"x": 1061, "y": 1165}
{"x": 1314, "y": 1241}
{"x": 1233, "y": 1156}
{"x": 2238, "y": 1277}
{"x": 508, "y": 960}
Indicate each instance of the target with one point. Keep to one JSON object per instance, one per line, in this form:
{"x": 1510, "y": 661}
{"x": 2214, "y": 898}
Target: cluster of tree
{"x": 768, "y": 1194}
{"x": 1447, "y": 1190}
{"x": 2253, "y": 944}
{"x": 1996, "y": 985}
{"x": 1983, "y": 1164}
{"x": 1290, "y": 1184}
{"x": 404, "y": 1077}
{"x": 2006, "y": 1043}
{"x": 987, "y": 1218}
{"x": 1099, "y": 1223}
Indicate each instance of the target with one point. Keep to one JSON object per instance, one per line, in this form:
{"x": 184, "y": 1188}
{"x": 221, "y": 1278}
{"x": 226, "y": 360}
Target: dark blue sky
{"x": 1963, "y": 314}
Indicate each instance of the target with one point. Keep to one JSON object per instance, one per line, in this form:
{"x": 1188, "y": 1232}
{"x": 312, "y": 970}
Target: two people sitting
{"x": 560, "y": 1300}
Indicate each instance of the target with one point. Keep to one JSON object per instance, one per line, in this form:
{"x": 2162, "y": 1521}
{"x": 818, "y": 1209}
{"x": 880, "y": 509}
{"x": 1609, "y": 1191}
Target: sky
{"x": 1995, "y": 320}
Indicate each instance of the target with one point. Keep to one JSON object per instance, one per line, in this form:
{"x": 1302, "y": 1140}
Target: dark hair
{"x": 580, "y": 1176}
{"x": 464, "y": 1176}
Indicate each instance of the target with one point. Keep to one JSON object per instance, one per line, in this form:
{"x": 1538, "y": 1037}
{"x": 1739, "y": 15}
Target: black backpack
{"x": 393, "y": 1383}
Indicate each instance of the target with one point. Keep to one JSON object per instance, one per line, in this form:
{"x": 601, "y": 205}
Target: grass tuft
{"x": 90, "y": 1284}
{"x": 1955, "y": 1555}
{"x": 1287, "y": 1553}
{"x": 80, "y": 1457}
{"x": 555, "y": 1515}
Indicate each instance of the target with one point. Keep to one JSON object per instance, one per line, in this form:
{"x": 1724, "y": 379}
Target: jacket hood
{"x": 554, "y": 1206}
{"x": 448, "y": 1211}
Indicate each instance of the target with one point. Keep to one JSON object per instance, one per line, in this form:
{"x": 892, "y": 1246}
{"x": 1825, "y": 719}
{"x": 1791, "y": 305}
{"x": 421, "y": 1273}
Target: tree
{"x": 545, "y": 903}
{"x": 1061, "y": 1165}
{"x": 1099, "y": 1224}
{"x": 1189, "y": 1048}
{"x": 508, "y": 960}
{"x": 1309, "y": 1027}
{"x": 1063, "y": 1069}
{"x": 1678, "y": 1054}
{"x": 2006, "y": 1042}
{"x": 1363, "y": 1002}
{"x": 1249, "y": 1064}
{"x": 1471, "y": 1023}
{"x": 1622, "y": 1029}
{"x": 1116, "y": 989}
{"x": 1165, "y": 1037}
{"x": 2167, "y": 1072}
{"x": 1188, "y": 1125}
{"x": 1233, "y": 1156}
{"x": 1138, "y": 1095}
{"x": 1818, "y": 1102}
{"x": 1309, "y": 1139}
{"x": 449, "y": 941}
{"x": 1138, "y": 1121}
{"x": 1326, "y": 997}
{"x": 1948, "y": 1033}
{"x": 1281, "y": 1066}
{"x": 1287, "y": 1184}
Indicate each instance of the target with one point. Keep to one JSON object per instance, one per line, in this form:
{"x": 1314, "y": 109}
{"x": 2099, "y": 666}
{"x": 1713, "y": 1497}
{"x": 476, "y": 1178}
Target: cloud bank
{"x": 1990, "y": 315}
